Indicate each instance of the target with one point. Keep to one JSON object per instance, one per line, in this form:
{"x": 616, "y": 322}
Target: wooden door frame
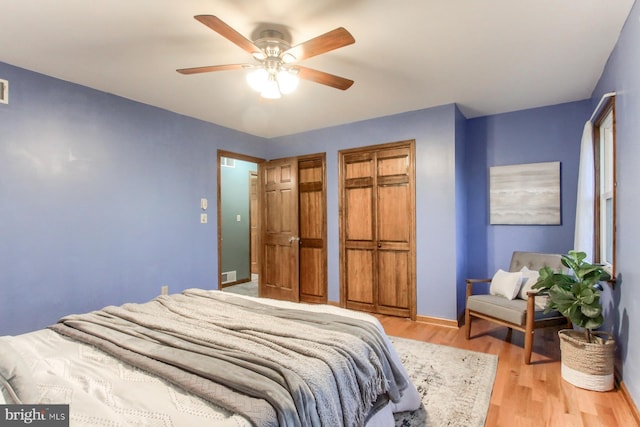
{"x": 341, "y": 218}
{"x": 237, "y": 156}
{"x": 252, "y": 212}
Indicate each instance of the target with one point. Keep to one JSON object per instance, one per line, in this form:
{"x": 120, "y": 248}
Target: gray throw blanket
{"x": 274, "y": 366}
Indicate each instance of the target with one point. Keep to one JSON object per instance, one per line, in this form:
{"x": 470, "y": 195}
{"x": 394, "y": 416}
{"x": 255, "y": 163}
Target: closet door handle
{"x": 379, "y": 245}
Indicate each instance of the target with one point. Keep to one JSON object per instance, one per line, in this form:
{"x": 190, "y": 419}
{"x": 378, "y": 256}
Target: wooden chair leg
{"x": 528, "y": 333}
{"x": 467, "y": 324}
{"x": 528, "y": 346}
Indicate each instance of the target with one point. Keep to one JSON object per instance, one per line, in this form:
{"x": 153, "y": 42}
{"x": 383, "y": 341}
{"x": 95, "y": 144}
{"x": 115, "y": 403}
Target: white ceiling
{"x": 488, "y": 56}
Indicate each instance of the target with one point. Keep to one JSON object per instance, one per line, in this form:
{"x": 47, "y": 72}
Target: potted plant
{"x": 587, "y": 357}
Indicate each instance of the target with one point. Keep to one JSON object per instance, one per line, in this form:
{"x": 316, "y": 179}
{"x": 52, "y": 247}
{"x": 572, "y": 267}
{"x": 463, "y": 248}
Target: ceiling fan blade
{"x": 326, "y": 42}
{"x": 210, "y": 68}
{"x": 323, "y": 78}
{"x": 220, "y": 27}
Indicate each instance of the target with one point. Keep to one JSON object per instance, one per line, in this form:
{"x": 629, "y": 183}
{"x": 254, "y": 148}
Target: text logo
{"x": 34, "y": 415}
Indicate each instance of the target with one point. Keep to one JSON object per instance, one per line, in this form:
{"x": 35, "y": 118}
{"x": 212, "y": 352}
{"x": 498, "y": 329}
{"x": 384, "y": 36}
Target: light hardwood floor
{"x": 525, "y": 395}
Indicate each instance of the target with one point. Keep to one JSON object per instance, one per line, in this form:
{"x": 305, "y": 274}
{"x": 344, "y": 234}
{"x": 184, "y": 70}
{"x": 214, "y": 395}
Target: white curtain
{"x": 583, "y": 238}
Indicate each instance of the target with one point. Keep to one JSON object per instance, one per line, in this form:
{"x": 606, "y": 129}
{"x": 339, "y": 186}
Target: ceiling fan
{"x": 277, "y": 70}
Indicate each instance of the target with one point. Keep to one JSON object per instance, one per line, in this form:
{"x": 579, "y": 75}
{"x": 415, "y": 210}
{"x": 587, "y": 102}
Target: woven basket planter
{"x": 587, "y": 365}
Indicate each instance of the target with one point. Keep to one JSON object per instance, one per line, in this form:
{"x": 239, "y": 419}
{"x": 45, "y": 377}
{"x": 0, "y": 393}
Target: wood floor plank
{"x": 525, "y": 395}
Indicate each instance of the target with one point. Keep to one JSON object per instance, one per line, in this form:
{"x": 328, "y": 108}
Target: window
{"x": 605, "y": 186}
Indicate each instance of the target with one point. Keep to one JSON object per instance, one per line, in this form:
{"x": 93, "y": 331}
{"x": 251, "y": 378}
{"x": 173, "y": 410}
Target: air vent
{"x": 229, "y": 276}
{"x": 4, "y": 92}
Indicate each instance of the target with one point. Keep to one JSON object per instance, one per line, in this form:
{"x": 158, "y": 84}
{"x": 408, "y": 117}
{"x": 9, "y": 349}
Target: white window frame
{"x": 605, "y": 186}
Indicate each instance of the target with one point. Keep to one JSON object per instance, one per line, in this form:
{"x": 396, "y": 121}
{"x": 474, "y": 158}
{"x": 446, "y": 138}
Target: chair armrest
{"x": 478, "y": 280}
{"x": 470, "y": 283}
{"x": 537, "y": 293}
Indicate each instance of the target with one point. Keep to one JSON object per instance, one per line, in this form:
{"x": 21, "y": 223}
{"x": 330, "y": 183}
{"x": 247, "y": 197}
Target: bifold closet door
{"x": 378, "y": 229}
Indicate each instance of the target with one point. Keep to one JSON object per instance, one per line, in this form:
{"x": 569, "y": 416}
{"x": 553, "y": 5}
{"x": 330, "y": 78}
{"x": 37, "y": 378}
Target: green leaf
{"x": 574, "y": 294}
{"x": 561, "y": 296}
{"x": 594, "y": 323}
{"x": 575, "y": 315}
{"x": 591, "y": 311}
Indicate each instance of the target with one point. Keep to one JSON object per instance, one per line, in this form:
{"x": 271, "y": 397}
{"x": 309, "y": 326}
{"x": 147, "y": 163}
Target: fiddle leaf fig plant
{"x": 576, "y": 294}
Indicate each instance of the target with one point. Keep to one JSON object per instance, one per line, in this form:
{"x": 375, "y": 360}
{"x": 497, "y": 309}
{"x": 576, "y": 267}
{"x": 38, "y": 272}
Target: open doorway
{"x": 248, "y": 250}
{"x": 237, "y": 228}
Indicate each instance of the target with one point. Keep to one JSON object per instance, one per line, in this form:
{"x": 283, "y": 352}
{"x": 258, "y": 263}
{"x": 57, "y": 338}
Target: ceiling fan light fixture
{"x": 287, "y": 81}
{"x": 274, "y": 75}
{"x": 257, "y": 79}
{"x": 270, "y": 89}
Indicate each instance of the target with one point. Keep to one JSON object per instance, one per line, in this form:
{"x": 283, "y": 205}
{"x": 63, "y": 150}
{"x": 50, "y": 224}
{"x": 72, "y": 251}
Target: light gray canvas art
{"x": 525, "y": 194}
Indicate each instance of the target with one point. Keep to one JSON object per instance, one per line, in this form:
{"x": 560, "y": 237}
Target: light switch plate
{"x": 203, "y": 218}
{"x": 4, "y": 92}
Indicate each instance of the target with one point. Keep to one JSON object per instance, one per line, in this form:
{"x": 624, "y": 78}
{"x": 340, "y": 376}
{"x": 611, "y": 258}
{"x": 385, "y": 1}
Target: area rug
{"x": 455, "y": 384}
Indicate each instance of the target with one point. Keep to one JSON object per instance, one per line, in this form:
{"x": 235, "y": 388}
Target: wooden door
{"x": 378, "y": 229}
{"x": 359, "y": 239}
{"x": 279, "y": 265}
{"x": 394, "y": 230}
{"x": 313, "y": 226}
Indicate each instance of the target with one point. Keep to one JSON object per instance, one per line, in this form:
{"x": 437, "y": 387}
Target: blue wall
{"x": 434, "y": 132}
{"x": 537, "y": 135}
{"x": 622, "y": 306}
{"x": 100, "y": 200}
{"x": 105, "y": 194}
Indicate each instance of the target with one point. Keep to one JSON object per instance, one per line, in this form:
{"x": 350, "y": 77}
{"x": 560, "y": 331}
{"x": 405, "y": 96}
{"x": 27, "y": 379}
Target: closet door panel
{"x": 359, "y": 209}
{"x": 360, "y": 276}
{"x": 393, "y": 204}
{"x": 393, "y": 278}
{"x": 312, "y": 279}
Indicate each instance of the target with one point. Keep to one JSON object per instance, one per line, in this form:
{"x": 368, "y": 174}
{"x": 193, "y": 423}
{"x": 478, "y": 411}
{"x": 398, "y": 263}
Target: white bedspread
{"x": 101, "y": 390}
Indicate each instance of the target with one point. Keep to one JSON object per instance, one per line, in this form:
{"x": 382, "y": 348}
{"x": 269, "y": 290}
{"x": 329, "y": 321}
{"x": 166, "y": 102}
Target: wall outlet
{"x": 164, "y": 290}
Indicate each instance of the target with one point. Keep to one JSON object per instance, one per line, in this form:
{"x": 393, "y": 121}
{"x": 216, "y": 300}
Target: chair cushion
{"x": 535, "y": 261}
{"x": 512, "y": 311}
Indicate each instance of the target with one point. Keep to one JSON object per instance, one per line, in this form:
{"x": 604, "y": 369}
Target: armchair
{"x": 522, "y": 312}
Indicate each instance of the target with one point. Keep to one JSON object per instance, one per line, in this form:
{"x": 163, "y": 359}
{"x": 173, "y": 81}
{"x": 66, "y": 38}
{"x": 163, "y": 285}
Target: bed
{"x": 211, "y": 358}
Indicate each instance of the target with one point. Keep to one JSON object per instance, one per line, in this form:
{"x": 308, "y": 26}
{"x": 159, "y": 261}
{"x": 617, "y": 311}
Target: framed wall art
{"x": 525, "y": 194}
